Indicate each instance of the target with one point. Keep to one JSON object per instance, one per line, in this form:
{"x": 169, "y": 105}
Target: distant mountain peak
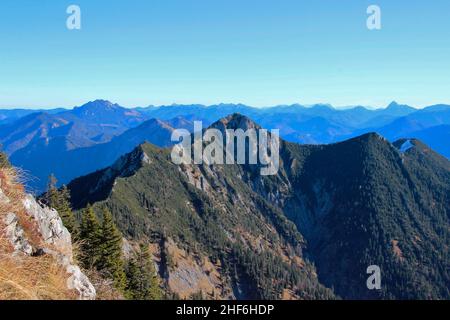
{"x": 393, "y": 104}
{"x": 99, "y": 104}
{"x": 322, "y": 106}
{"x": 396, "y": 106}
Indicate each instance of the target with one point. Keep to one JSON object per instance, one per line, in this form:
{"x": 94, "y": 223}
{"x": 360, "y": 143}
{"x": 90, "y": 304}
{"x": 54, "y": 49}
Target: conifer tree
{"x": 143, "y": 283}
{"x": 60, "y": 201}
{"x": 90, "y": 234}
{"x": 110, "y": 256}
{"x": 148, "y": 269}
{"x": 51, "y": 196}
{"x": 65, "y": 212}
{"x": 134, "y": 283}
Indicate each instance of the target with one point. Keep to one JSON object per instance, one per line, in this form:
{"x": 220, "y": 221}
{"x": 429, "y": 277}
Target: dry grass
{"x": 23, "y": 277}
{"x": 12, "y": 187}
{"x": 31, "y": 278}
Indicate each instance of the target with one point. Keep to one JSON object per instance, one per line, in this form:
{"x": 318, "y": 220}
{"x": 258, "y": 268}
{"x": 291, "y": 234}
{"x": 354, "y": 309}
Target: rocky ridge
{"x": 53, "y": 239}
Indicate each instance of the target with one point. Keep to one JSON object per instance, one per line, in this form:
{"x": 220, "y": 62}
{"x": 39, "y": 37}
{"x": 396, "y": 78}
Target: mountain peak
{"x": 396, "y": 106}
{"x": 235, "y": 121}
{"x": 370, "y": 136}
{"x": 99, "y": 104}
{"x": 393, "y": 104}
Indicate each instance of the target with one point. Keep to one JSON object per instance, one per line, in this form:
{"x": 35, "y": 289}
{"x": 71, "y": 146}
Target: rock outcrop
{"x": 56, "y": 241}
{"x": 16, "y": 235}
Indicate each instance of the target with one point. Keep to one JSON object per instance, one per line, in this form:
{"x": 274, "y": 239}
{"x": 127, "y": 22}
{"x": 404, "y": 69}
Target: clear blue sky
{"x": 141, "y": 52}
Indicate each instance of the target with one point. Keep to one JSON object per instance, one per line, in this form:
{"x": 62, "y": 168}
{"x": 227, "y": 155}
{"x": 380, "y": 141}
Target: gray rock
{"x": 16, "y": 235}
{"x": 80, "y": 282}
{"x": 50, "y": 225}
{"x": 53, "y": 232}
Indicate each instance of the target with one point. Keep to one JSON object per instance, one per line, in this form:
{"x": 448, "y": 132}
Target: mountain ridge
{"x": 348, "y": 205}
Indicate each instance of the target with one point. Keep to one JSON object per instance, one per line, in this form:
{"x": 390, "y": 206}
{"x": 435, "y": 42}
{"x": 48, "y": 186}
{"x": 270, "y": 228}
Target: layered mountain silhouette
{"x": 42, "y": 160}
{"x": 11, "y": 115}
{"x": 60, "y": 141}
{"x": 94, "y": 122}
{"x": 310, "y": 231}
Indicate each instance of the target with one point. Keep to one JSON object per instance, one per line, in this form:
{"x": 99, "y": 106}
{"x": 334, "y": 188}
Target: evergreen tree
{"x": 148, "y": 268}
{"x": 90, "y": 235}
{"x": 65, "y": 212}
{"x": 134, "y": 282}
{"x": 51, "y": 196}
{"x": 143, "y": 283}
{"x": 60, "y": 201}
{"x": 110, "y": 256}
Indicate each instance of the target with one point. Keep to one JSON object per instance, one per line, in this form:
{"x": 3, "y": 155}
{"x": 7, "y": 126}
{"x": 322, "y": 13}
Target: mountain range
{"x": 355, "y": 188}
{"x": 308, "y": 232}
{"x": 70, "y": 143}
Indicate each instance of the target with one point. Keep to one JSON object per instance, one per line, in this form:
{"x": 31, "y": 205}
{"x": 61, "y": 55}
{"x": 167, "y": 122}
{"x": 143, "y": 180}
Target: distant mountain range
{"x": 92, "y": 123}
{"x": 42, "y": 160}
{"x": 74, "y": 142}
{"x": 11, "y": 115}
{"x": 308, "y": 232}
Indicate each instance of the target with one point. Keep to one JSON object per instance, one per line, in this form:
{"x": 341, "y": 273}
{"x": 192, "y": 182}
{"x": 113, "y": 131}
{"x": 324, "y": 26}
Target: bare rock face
{"x": 50, "y": 225}
{"x": 55, "y": 234}
{"x": 16, "y": 235}
{"x": 79, "y": 281}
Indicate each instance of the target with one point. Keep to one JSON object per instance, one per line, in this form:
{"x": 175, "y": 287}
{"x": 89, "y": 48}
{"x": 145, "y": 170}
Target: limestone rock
{"x": 50, "y": 225}
{"x": 53, "y": 232}
{"x": 16, "y": 235}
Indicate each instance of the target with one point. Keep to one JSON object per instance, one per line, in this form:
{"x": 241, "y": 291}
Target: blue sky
{"x": 257, "y": 52}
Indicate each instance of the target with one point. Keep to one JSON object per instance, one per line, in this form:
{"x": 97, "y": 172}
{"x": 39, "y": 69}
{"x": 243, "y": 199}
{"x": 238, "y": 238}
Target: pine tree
{"x": 51, "y": 196}
{"x": 110, "y": 257}
{"x": 60, "y": 201}
{"x": 143, "y": 283}
{"x": 65, "y": 212}
{"x": 90, "y": 235}
{"x": 133, "y": 288}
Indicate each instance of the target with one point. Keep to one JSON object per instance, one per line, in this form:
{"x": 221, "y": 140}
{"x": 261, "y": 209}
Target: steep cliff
{"x": 36, "y": 258}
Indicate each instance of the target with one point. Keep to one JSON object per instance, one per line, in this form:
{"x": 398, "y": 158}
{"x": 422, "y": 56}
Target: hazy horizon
{"x": 344, "y": 107}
